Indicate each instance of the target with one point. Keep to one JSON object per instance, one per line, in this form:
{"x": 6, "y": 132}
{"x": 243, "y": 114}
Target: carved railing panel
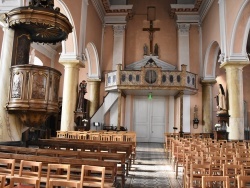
{"x": 33, "y": 94}
{"x": 152, "y": 77}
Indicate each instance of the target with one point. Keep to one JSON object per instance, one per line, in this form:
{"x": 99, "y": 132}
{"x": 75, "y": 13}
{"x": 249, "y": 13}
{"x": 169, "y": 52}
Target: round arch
{"x": 93, "y": 61}
{"x": 69, "y": 47}
{"x": 211, "y": 58}
{"x": 240, "y": 34}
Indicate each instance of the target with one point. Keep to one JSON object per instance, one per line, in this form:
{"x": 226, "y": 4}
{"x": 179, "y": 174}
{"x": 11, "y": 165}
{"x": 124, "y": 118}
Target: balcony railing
{"x": 152, "y": 77}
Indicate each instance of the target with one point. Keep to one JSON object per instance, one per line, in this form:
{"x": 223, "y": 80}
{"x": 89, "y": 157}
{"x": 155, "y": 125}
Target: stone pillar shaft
{"x": 94, "y": 90}
{"x": 207, "y": 107}
{"x": 70, "y": 90}
{"x": 119, "y": 43}
{"x": 183, "y": 58}
{"x": 10, "y": 125}
{"x": 235, "y": 98}
{"x": 119, "y": 110}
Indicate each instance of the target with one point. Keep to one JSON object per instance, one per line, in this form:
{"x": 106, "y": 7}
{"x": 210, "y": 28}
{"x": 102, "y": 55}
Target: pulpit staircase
{"x": 108, "y": 102}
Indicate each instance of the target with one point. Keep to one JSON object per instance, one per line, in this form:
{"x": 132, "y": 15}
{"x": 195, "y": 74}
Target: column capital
{"x": 231, "y": 64}
{"x": 208, "y": 81}
{"x": 71, "y": 63}
{"x": 93, "y": 80}
{"x": 183, "y": 28}
{"x": 119, "y": 29}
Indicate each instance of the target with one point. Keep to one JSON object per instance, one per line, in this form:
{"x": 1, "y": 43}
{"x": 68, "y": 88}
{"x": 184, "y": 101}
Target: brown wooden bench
{"x": 120, "y": 158}
{"x": 89, "y": 145}
{"x": 75, "y": 164}
{"x": 98, "y": 141}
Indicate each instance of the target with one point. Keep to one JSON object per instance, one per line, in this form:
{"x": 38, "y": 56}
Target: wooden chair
{"x": 129, "y": 137}
{"x": 196, "y": 172}
{"x": 63, "y": 183}
{"x": 180, "y": 158}
{"x": 117, "y": 137}
{"x": 245, "y": 161}
{"x": 92, "y": 176}
{"x": 243, "y": 181}
{"x": 232, "y": 171}
{"x": 30, "y": 169}
{"x": 24, "y": 182}
{"x": 61, "y": 134}
{"x": 105, "y": 137}
{"x": 216, "y": 163}
{"x": 82, "y": 135}
{"x": 7, "y": 167}
{"x": 57, "y": 171}
{"x": 2, "y": 181}
{"x": 72, "y": 135}
{"x": 215, "y": 181}
{"x": 94, "y": 136}
{"x": 190, "y": 159}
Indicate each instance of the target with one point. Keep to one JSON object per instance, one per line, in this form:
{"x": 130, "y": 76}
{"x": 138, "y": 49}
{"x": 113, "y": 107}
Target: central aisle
{"x": 151, "y": 169}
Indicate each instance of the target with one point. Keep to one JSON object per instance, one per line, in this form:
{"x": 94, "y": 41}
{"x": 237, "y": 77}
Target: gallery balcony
{"x": 151, "y": 78}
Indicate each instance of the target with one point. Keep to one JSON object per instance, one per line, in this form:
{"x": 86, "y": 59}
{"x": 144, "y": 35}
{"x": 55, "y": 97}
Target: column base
{"x": 236, "y": 129}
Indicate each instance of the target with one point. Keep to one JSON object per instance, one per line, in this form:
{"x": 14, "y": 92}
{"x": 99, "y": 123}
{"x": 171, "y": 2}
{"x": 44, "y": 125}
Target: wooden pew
{"x": 120, "y": 158}
{"x": 83, "y": 145}
{"x": 98, "y": 141}
{"x": 75, "y": 164}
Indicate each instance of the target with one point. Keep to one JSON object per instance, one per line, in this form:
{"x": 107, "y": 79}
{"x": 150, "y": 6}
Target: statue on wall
{"x": 82, "y": 92}
{"x": 156, "y": 50}
{"x": 221, "y": 101}
{"x": 145, "y": 49}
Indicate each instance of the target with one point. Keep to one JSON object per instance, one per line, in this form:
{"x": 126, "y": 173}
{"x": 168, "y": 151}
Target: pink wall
{"x": 165, "y": 38}
{"x": 94, "y": 35}
{"x": 232, "y": 10}
{"x": 195, "y": 68}
{"x": 75, "y": 12}
{"x": 210, "y": 28}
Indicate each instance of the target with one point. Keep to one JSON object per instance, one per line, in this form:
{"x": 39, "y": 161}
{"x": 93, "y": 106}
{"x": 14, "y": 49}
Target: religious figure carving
{"x": 221, "y": 101}
{"x": 145, "y": 49}
{"x": 42, "y": 3}
{"x": 82, "y": 92}
{"x": 151, "y": 31}
{"x": 156, "y": 49}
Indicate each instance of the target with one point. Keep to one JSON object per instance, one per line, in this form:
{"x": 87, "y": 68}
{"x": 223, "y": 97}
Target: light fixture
{"x": 195, "y": 123}
{"x": 150, "y": 96}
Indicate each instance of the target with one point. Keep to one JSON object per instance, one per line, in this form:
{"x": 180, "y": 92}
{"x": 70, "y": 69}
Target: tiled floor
{"x": 151, "y": 169}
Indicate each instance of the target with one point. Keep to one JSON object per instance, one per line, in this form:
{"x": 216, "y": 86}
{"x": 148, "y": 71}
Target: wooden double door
{"x": 149, "y": 118}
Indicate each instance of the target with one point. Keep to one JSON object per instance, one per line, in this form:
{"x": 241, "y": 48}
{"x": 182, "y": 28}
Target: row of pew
{"x": 199, "y": 156}
{"x": 115, "y": 157}
{"x": 30, "y": 173}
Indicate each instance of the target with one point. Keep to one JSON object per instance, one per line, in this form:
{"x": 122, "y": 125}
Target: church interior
{"x": 127, "y": 76}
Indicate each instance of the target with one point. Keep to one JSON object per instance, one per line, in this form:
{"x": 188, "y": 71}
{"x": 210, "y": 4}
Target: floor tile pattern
{"x": 151, "y": 169}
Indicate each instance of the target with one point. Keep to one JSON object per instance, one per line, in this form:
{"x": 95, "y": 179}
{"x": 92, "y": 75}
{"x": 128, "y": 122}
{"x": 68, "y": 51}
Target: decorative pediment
{"x": 146, "y": 60}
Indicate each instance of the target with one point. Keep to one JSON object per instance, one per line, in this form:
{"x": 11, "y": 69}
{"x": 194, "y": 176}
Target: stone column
{"x": 183, "y": 44}
{"x": 94, "y": 95}
{"x": 207, "y": 107}
{"x": 119, "y": 44}
{"x": 183, "y": 58}
{"x": 10, "y": 125}
{"x": 70, "y": 90}
{"x": 119, "y": 109}
{"x": 235, "y": 98}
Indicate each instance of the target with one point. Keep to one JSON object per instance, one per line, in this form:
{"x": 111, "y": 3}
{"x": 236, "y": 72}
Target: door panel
{"x": 141, "y": 119}
{"x": 158, "y": 120}
{"x": 149, "y": 119}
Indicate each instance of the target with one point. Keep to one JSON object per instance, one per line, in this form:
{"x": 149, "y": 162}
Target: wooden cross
{"x": 151, "y": 31}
